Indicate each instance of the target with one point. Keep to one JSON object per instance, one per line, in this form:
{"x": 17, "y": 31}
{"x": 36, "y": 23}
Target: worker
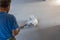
{"x": 8, "y": 25}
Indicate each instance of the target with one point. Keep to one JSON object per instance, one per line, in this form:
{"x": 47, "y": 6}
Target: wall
{"x": 47, "y": 14}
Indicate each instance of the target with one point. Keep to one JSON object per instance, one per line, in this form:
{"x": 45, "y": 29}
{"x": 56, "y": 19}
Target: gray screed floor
{"x": 51, "y": 33}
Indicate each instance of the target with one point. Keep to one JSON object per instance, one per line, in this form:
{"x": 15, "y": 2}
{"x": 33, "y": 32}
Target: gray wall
{"x": 48, "y": 16}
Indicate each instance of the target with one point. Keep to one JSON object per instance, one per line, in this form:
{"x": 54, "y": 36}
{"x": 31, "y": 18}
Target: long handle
{"x": 21, "y": 27}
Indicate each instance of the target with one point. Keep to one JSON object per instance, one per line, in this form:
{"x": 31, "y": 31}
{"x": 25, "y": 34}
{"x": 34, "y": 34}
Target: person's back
{"x": 8, "y": 24}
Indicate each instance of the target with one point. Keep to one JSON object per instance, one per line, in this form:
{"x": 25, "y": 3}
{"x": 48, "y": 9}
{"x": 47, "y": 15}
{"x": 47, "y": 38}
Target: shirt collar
{"x": 3, "y": 12}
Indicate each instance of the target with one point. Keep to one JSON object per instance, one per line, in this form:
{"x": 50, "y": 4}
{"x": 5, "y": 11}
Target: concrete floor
{"x": 47, "y": 14}
{"x": 28, "y": 34}
{"x": 51, "y": 33}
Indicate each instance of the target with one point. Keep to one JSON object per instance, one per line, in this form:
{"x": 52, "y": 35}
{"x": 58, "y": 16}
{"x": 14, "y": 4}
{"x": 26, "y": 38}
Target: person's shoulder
{"x": 10, "y": 16}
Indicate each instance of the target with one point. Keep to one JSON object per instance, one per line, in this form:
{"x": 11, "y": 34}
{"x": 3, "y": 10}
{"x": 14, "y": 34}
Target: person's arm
{"x": 15, "y": 28}
{"x": 15, "y": 32}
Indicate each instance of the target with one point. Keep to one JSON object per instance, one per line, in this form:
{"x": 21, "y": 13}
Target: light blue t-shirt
{"x": 7, "y": 24}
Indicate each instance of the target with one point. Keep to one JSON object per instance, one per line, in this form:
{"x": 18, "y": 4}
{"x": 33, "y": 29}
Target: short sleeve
{"x": 14, "y": 23}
